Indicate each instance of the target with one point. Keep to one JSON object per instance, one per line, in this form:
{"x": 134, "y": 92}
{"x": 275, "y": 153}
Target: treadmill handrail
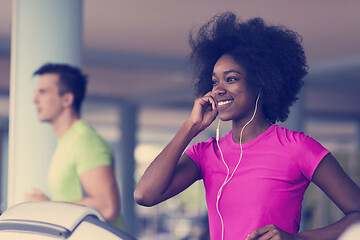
{"x": 35, "y": 227}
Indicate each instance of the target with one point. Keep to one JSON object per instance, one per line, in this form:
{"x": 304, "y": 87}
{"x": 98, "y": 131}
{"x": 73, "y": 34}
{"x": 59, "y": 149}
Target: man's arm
{"x": 102, "y": 192}
{"x": 36, "y": 195}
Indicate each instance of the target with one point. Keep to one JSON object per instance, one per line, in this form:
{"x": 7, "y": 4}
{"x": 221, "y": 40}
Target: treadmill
{"x": 56, "y": 220}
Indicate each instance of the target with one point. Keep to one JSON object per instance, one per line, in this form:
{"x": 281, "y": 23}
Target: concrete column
{"x": 126, "y": 164}
{"x": 296, "y": 118}
{"x": 358, "y": 136}
{"x": 42, "y": 31}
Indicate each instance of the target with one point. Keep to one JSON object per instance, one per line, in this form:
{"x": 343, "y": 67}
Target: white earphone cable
{"x": 227, "y": 179}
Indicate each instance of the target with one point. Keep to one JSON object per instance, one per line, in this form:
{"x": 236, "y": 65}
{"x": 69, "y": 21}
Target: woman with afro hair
{"x": 255, "y": 176}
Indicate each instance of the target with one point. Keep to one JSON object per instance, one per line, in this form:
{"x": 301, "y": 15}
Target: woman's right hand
{"x": 172, "y": 171}
{"x": 204, "y": 112}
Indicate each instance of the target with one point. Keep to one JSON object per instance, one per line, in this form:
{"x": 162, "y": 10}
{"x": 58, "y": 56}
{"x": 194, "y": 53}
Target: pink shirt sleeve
{"x": 308, "y": 151}
{"x": 195, "y": 152}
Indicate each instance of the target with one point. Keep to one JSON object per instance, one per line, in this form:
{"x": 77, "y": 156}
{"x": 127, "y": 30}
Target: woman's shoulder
{"x": 289, "y": 135}
{"x": 204, "y": 143}
{"x": 296, "y": 139}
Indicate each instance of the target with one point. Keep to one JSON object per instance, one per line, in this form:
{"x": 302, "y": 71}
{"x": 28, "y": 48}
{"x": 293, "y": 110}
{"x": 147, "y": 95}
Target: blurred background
{"x": 136, "y": 56}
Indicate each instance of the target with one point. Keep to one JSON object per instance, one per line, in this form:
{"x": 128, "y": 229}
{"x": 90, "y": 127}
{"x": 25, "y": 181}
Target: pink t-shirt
{"x": 268, "y": 186}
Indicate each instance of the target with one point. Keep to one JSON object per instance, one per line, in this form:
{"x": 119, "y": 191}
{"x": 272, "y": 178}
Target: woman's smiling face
{"x": 234, "y": 100}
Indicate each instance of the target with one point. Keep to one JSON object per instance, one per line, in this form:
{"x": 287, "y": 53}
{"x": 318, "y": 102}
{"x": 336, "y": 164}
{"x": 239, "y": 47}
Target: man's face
{"x": 48, "y": 101}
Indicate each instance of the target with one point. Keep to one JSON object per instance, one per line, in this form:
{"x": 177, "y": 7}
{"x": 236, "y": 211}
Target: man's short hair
{"x": 71, "y": 79}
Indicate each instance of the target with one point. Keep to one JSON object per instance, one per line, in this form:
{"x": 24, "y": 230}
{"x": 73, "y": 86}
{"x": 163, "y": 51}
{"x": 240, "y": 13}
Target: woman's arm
{"x": 172, "y": 171}
{"x": 169, "y": 174}
{"x": 338, "y": 186}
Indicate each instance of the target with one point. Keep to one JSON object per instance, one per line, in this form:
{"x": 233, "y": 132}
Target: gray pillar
{"x": 296, "y": 118}
{"x": 42, "y": 31}
{"x": 126, "y": 165}
{"x": 358, "y": 135}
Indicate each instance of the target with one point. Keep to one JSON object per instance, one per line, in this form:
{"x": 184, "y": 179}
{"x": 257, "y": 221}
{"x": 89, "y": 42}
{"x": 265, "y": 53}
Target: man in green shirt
{"x": 81, "y": 168}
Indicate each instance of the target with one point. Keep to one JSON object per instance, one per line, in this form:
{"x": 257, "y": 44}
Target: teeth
{"x": 223, "y": 102}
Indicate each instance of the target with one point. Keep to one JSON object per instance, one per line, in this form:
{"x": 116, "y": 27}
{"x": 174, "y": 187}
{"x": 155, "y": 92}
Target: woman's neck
{"x": 253, "y": 129}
